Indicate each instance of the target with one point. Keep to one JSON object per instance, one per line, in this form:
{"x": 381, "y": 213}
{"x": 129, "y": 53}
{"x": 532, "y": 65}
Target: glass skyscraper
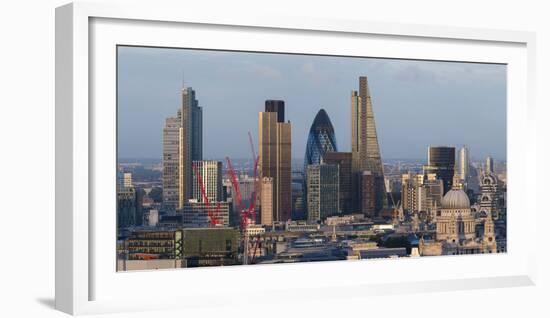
{"x": 321, "y": 139}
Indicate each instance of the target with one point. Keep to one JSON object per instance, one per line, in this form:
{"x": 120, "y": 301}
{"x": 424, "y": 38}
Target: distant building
{"x": 441, "y": 162}
{"x": 421, "y": 192}
{"x": 129, "y": 207}
{"x": 128, "y": 180}
{"x": 323, "y": 191}
{"x": 343, "y": 160}
{"x": 153, "y": 217}
{"x": 464, "y": 164}
{"x": 490, "y": 195}
{"x": 275, "y": 157}
{"x": 211, "y": 176}
{"x": 298, "y": 195}
{"x": 199, "y": 214}
{"x": 489, "y": 165}
{"x": 413, "y": 198}
{"x": 126, "y": 207}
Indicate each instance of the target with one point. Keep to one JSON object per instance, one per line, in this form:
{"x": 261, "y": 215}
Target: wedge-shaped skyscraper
{"x": 364, "y": 145}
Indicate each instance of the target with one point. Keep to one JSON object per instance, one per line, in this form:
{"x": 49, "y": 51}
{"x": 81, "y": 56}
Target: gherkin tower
{"x": 321, "y": 139}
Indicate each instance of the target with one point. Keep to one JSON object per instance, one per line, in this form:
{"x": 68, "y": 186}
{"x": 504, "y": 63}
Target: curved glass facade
{"x": 321, "y": 139}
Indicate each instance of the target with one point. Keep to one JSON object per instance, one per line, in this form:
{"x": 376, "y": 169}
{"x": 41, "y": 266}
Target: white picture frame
{"x": 86, "y": 281}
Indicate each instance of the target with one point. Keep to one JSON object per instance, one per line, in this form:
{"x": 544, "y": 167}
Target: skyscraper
{"x": 321, "y": 139}
{"x": 323, "y": 191}
{"x": 186, "y": 146}
{"x": 489, "y": 165}
{"x": 182, "y": 143}
{"x": 275, "y": 157}
{"x": 441, "y": 162}
{"x": 364, "y": 144}
{"x": 343, "y": 160}
{"x": 170, "y": 161}
{"x": 211, "y": 175}
{"x": 196, "y": 131}
{"x": 464, "y": 164}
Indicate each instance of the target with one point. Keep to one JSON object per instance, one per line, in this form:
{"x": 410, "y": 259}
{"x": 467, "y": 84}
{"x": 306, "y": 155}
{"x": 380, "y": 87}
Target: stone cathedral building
{"x": 456, "y": 228}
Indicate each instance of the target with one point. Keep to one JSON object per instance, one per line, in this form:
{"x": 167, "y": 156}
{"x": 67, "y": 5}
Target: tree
{"x": 399, "y": 241}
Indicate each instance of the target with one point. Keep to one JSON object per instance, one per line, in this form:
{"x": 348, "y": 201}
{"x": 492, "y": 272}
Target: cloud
{"x": 308, "y": 68}
{"x": 265, "y": 71}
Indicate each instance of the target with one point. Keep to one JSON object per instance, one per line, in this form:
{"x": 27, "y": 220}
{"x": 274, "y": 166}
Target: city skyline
{"x": 150, "y": 90}
{"x": 345, "y": 205}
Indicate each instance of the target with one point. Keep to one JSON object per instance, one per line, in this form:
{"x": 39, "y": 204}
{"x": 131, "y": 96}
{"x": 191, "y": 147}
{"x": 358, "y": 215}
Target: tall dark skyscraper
{"x": 196, "y": 132}
{"x": 276, "y": 106}
{"x": 275, "y": 159}
{"x": 190, "y": 143}
{"x": 364, "y": 145}
{"x": 441, "y": 162}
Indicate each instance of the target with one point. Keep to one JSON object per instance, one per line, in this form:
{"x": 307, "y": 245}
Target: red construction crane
{"x": 247, "y": 215}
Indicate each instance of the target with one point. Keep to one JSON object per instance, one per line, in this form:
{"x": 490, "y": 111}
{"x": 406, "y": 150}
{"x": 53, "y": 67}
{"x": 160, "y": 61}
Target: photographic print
{"x": 249, "y": 158}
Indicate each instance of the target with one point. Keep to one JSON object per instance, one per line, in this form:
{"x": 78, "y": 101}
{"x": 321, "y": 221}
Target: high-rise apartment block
{"x": 275, "y": 157}
{"x": 364, "y": 144}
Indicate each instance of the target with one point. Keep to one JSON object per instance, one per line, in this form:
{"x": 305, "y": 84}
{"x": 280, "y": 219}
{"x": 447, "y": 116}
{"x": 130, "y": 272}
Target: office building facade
{"x": 368, "y": 194}
{"x": 200, "y": 214}
{"x": 266, "y": 201}
{"x": 275, "y": 157}
{"x": 343, "y": 160}
{"x": 210, "y": 172}
{"x": 323, "y": 191}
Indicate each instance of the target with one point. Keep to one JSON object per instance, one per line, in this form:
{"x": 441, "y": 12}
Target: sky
{"x": 416, "y": 103}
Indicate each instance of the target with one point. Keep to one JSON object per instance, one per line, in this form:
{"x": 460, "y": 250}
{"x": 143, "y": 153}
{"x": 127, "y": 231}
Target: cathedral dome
{"x": 455, "y": 199}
